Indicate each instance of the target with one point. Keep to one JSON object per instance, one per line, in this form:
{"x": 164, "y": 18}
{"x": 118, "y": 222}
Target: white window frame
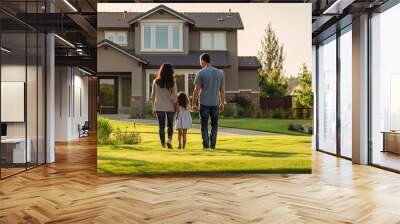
{"x": 184, "y": 72}
{"x": 212, "y": 33}
{"x": 153, "y": 24}
{"x": 115, "y": 33}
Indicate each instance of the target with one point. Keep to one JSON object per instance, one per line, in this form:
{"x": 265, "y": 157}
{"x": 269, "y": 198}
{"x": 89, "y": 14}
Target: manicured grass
{"x": 268, "y": 125}
{"x": 234, "y": 154}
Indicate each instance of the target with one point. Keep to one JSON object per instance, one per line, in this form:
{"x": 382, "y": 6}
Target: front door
{"x": 108, "y": 95}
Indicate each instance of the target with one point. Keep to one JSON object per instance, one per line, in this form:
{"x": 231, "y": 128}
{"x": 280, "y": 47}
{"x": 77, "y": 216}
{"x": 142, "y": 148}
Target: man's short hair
{"x": 205, "y": 57}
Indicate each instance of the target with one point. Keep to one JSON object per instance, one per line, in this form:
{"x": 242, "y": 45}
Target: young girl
{"x": 183, "y": 120}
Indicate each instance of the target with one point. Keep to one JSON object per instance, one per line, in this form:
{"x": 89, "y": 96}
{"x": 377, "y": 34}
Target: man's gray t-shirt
{"x": 211, "y": 80}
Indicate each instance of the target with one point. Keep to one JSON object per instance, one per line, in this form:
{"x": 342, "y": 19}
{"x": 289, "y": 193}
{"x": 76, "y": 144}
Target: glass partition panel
{"x": 346, "y": 93}
{"x": 32, "y": 98}
{"x": 41, "y": 99}
{"x": 385, "y": 89}
{"x": 327, "y": 96}
{"x": 15, "y": 152}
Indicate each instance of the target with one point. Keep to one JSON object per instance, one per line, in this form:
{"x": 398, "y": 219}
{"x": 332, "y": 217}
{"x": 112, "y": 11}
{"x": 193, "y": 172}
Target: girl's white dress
{"x": 184, "y": 119}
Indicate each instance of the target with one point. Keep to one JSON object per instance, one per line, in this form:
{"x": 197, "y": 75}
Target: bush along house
{"x": 132, "y": 46}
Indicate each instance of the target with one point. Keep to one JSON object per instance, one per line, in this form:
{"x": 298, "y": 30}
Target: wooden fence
{"x": 286, "y": 104}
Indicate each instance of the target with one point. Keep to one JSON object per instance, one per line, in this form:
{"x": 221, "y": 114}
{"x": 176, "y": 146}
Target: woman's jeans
{"x": 161, "y": 116}
{"x": 205, "y": 113}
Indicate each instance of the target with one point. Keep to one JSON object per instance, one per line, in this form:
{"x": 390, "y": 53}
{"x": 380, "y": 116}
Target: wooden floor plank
{"x": 70, "y": 191}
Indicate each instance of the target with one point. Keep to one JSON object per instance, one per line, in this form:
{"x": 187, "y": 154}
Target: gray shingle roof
{"x": 115, "y": 19}
{"x": 220, "y": 20}
{"x": 201, "y": 20}
{"x": 219, "y": 59}
{"x": 248, "y": 62}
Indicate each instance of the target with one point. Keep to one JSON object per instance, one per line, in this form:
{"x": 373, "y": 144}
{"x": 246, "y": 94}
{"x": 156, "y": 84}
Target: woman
{"x": 164, "y": 101}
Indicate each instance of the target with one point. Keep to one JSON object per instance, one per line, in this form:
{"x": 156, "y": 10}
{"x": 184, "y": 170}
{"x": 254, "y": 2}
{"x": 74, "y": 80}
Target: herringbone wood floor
{"x": 70, "y": 191}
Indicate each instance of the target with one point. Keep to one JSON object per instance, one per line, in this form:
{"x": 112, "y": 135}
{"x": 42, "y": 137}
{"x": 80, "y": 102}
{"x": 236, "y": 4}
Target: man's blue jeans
{"x": 205, "y": 113}
{"x": 161, "y": 115}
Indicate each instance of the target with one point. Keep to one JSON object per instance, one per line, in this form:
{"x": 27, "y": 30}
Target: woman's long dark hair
{"x": 165, "y": 77}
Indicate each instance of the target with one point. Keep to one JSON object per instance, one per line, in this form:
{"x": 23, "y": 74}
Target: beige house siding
{"x": 231, "y": 73}
{"x": 194, "y": 37}
{"x": 110, "y": 60}
{"x": 248, "y": 80}
{"x": 131, "y": 38}
{"x": 100, "y": 35}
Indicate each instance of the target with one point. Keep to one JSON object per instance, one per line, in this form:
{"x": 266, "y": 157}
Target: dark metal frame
{"x": 338, "y": 34}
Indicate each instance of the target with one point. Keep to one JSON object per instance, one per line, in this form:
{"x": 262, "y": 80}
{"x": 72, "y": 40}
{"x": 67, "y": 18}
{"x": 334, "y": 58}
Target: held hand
{"x": 194, "y": 108}
{"x": 221, "y": 107}
{"x": 154, "y": 113}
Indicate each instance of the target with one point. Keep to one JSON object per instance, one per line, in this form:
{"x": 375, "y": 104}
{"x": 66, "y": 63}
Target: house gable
{"x": 161, "y": 12}
{"x": 107, "y": 44}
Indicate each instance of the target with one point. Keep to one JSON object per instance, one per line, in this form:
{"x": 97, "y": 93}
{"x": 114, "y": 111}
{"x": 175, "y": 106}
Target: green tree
{"x": 271, "y": 56}
{"x": 275, "y": 84}
{"x": 305, "y": 94}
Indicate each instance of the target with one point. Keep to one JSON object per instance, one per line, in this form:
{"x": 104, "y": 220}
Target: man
{"x": 209, "y": 85}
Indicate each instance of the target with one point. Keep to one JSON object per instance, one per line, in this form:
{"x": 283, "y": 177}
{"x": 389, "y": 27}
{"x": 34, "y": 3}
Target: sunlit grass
{"x": 234, "y": 154}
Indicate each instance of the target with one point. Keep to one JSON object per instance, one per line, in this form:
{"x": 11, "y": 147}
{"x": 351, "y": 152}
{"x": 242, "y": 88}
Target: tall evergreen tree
{"x": 271, "y": 57}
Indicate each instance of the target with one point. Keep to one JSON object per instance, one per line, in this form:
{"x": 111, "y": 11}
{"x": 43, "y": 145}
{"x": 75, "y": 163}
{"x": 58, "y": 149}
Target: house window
{"x": 213, "y": 41}
{"x": 118, "y": 37}
{"x": 162, "y": 37}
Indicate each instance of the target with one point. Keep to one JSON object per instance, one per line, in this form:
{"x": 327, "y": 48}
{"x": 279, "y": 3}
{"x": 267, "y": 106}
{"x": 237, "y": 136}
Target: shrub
{"x": 104, "y": 129}
{"x": 128, "y": 138}
{"x": 277, "y": 113}
{"x": 231, "y": 110}
{"x": 241, "y": 101}
{"x": 244, "y": 104}
{"x": 148, "y": 110}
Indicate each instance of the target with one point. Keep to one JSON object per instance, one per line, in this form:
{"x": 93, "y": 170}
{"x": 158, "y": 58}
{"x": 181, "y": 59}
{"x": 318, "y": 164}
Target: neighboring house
{"x": 133, "y": 45}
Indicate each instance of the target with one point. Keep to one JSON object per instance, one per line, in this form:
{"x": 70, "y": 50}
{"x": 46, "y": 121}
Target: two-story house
{"x": 133, "y": 45}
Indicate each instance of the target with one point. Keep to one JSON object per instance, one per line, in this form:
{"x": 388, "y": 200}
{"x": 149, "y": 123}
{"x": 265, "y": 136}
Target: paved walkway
{"x": 221, "y": 130}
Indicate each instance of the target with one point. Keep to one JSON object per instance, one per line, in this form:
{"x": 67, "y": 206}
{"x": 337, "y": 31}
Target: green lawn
{"x": 262, "y": 124}
{"x": 234, "y": 154}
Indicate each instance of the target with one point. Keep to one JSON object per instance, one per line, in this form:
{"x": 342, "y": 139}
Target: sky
{"x": 291, "y": 22}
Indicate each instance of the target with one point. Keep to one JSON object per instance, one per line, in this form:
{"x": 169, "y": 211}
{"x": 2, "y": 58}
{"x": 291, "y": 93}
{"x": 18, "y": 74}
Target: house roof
{"x": 201, "y": 20}
{"x": 115, "y": 19}
{"x": 219, "y": 59}
{"x": 248, "y": 62}
{"x": 216, "y": 20}
{"x": 122, "y": 50}
{"x": 161, "y": 8}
